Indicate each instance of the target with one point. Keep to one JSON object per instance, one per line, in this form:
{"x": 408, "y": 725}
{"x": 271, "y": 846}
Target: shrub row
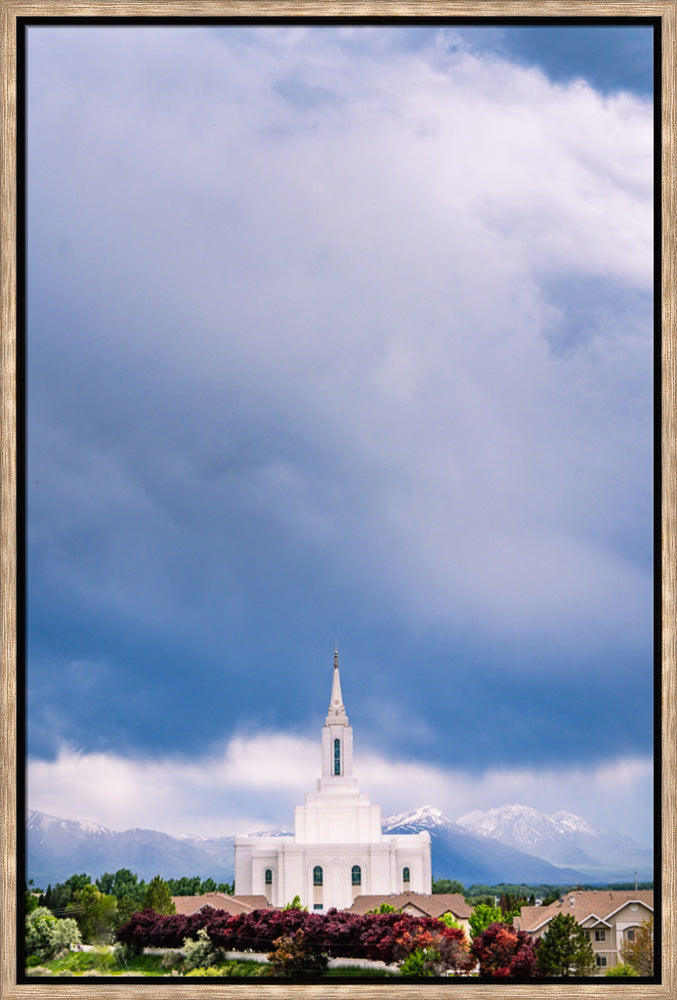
{"x": 386, "y": 937}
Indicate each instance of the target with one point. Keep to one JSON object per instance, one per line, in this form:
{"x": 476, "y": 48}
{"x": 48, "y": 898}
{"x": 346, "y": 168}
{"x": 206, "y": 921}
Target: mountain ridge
{"x": 560, "y": 837}
{"x": 58, "y": 848}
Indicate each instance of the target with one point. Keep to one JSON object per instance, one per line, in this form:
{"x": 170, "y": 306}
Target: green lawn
{"x": 102, "y": 962}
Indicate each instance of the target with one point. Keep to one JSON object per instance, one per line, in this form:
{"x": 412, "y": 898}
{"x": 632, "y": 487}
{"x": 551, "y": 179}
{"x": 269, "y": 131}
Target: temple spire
{"x": 337, "y": 713}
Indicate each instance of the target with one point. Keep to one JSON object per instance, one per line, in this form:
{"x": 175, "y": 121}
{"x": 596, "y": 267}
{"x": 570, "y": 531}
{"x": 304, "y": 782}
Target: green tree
{"x": 63, "y": 893}
{"x": 565, "y": 949}
{"x": 552, "y": 896}
{"x": 639, "y": 953}
{"x": 185, "y": 886}
{"x": 482, "y": 916}
{"x": 127, "y": 907}
{"x": 46, "y": 936}
{"x": 123, "y": 883}
{"x": 31, "y": 901}
{"x": 448, "y": 885}
{"x": 105, "y": 883}
{"x": 94, "y": 912}
{"x": 158, "y": 897}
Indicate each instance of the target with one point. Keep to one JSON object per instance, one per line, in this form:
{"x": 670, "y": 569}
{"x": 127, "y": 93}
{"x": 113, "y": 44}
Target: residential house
{"x": 219, "y": 901}
{"x": 420, "y": 905}
{"x": 611, "y": 917}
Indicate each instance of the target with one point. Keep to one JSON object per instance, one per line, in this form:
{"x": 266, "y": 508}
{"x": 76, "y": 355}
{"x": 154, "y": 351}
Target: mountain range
{"x": 57, "y": 848}
{"x": 512, "y": 843}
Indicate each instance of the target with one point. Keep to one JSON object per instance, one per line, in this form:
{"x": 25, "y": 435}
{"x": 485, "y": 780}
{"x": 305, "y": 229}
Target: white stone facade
{"x": 337, "y": 851}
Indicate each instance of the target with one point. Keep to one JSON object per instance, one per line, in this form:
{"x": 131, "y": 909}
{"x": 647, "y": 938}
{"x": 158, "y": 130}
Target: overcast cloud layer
{"x": 332, "y": 335}
{"x": 235, "y": 790}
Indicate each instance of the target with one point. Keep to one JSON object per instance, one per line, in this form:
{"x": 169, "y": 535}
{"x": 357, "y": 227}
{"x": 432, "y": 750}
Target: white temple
{"x": 337, "y": 851}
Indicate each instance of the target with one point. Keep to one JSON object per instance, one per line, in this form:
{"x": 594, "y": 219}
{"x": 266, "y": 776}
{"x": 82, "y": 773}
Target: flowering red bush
{"x": 503, "y": 951}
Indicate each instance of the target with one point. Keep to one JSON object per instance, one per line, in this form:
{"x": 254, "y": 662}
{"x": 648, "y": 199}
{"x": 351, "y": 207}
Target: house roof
{"x": 431, "y": 906}
{"x": 598, "y": 906}
{"x": 219, "y": 901}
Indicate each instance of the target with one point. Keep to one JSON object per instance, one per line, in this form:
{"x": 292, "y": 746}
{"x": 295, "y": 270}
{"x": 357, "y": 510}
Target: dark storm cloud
{"x": 327, "y": 346}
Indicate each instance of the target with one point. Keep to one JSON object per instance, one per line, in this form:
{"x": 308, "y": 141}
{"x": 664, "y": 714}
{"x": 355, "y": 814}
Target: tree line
{"x": 100, "y": 906}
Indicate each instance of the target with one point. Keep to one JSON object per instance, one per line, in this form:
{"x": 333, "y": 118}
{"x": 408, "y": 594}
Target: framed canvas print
{"x": 338, "y": 499}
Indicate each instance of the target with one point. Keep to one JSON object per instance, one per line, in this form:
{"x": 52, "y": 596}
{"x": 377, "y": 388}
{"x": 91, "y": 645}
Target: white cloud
{"x": 254, "y": 782}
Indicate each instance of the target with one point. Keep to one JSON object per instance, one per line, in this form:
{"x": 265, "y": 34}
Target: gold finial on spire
{"x": 336, "y": 656}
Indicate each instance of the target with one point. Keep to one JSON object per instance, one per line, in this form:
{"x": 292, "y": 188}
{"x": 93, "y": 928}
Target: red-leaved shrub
{"x": 504, "y": 952}
{"x": 385, "y": 937}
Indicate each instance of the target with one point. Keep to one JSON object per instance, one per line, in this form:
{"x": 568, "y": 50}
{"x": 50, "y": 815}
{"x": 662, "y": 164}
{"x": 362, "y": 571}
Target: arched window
{"x": 406, "y": 875}
{"x": 356, "y": 875}
{"x": 317, "y": 875}
{"x": 269, "y": 876}
{"x": 337, "y": 756}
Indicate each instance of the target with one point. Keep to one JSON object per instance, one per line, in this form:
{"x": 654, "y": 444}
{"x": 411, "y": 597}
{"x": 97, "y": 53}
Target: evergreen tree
{"x": 565, "y": 950}
{"x": 127, "y": 907}
{"x": 158, "y": 896}
{"x": 63, "y": 893}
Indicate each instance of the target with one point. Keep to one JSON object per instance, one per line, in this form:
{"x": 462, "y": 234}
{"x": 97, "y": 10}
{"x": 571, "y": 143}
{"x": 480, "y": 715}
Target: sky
{"x": 339, "y": 335}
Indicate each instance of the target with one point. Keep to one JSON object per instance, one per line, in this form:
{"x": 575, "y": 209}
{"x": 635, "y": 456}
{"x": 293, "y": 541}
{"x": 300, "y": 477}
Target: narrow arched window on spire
{"x": 406, "y": 876}
{"x": 317, "y": 875}
{"x": 357, "y": 875}
{"x": 269, "y": 876}
{"x": 337, "y": 756}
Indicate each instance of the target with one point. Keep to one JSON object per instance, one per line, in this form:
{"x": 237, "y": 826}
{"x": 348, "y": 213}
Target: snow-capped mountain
{"x": 459, "y": 854}
{"x": 425, "y": 817}
{"x": 57, "y": 848}
{"x": 562, "y": 838}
